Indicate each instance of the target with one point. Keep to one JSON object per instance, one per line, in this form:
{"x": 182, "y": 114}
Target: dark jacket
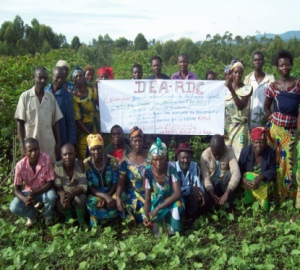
{"x": 268, "y": 159}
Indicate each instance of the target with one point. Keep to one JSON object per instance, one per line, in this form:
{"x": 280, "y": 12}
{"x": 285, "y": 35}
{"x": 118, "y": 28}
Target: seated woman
{"x": 162, "y": 184}
{"x": 102, "y": 172}
{"x": 131, "y": 178}
{"x": 258, "y": 168}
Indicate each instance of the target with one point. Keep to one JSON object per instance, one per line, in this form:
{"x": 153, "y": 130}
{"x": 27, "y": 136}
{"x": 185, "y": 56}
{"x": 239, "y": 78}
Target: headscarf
{"x": 258, "y": 133}
{"x": 93, "y": 140}
{"x": 136, "y": 132}
{"x": 76, "y": 70}
{"x": 62, "y": 63}
{"x": 107, "y": 70}
{"x": 227, "y": 69}
{"x": 158, "y": 148}
{"x": 236, "y": 63}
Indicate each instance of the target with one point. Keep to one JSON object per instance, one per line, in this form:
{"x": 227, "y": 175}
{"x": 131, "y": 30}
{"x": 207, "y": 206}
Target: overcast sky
{"x": 156, "y": 19}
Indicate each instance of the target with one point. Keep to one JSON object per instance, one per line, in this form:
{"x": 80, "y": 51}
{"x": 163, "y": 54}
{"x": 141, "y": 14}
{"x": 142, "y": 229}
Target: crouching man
{"x": 36, "y": 171}
{"x": 70, "y": 182}
{"x": 220, "y": 171}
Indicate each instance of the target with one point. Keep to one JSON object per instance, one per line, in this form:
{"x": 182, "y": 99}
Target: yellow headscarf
{"x": 94, "y": 139}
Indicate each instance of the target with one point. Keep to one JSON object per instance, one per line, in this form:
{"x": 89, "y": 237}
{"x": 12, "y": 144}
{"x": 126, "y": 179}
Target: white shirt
{"x": 258, "y": 97}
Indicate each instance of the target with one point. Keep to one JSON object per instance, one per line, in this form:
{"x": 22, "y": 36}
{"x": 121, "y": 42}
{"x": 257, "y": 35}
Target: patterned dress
{"x": 102, "y": 183}
{"x": 85, "y": 110}
{"x": 283, "y": 137}
{"x": 236, "y": 121}
{"x": 168, "y": 218}
{"x": 135, "y": 189}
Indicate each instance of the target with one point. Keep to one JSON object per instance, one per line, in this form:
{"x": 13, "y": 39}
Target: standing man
{"x": 137, "y": 72}
{"x": 65, "y": 66}
{"x": 37, "y": 116}
{"x": 183, "y": 73}
{"x": 260, "y": 81}
{"x": 220, "y": 171}
{"x": 118, "y": 148}
{"x": 36, "y": 171}
{"x": 67, "y": 125}
{"x": 156, "y": 65}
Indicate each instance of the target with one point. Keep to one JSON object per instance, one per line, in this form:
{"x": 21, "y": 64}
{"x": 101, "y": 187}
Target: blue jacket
{"x": 67, "y": 125}
{"x": 268, "y": 165}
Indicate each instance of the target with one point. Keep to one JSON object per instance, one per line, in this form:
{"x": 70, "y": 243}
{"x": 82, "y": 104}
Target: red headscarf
{"x": 258, "y": 133}
{"x": 107, "y": 70}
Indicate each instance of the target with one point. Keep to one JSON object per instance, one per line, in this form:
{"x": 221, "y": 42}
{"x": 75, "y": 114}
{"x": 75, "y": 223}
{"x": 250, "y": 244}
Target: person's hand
{"x": 101, "y": 203}
{"x": 109, "y": 201}
{"x": 120, "y": 205}
{"x": 223, "y": 199}
{"x": 147, "y": 221}
{"x": 228, "y": 84}
{"x": 29, "y": 199}
{"x": 248, "y": 183}
{"x": 214, "y": 196}
{"x": 67, "y": 199}
{"x": 57, "y": 150}
{"x": 256, "y": 182}
{"x": 61, "y": 195}
{"x": 198, "y": 195}
{"x": 153, "y": 213}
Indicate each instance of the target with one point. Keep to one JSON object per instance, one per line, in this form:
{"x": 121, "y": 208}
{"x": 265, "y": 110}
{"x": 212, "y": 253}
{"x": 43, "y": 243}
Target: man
{"x": 67, "y": 125}
{"x": 70, "y": 183}
{"x": 136, "y": 72}
{"x": 183, "y": 73}
{"x": 220, "y": 171}
{"x": 35, "y": 170}
{"x": 156, "y": 65}
{"x": 65, "y": 66}
{"x": 118, "y": 148}
{"x": 260, "y": 81}
{"x": 37, "y": 116}
{"x": 191, "y": 188}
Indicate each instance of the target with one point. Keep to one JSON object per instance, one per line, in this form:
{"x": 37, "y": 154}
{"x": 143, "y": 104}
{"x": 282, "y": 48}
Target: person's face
{"x": 284, "y": 67}
{"x": 258, "y": 61}
{"x": 68, "y": 156}
{"x": 103, "y": 76}
{"x": 58, "y": 78}
{"x": 117, "y": 136}
{"x": 184, "y": 159}
{"x": 156, "y": 66}
{"x": 40, "y": 79}
{"x": 259, "y": 146}
{"x": 237, "y": 74}
{"x": 32, "y": 152}
{"x": 211, "y": 77}
{"x": 159, "y": 162}
{"x": 96, "y": 151}
{"x": 66, "y": 69}
{"x": 89, "y": 75}
{"x": 227, "y": 76}
{"x": 78, "y": 79}
{"x": 183, "y": 63}
{"x": 217, "y": 153}
{"x": 137, "y": 73}
{"x": 136, "y": 144}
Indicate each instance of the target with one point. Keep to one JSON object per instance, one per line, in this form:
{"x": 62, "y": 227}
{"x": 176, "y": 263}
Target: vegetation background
{"x": 249, "y": 239}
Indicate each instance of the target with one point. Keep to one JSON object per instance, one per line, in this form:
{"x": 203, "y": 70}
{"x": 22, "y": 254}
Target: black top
{"x": 164, "y": 76}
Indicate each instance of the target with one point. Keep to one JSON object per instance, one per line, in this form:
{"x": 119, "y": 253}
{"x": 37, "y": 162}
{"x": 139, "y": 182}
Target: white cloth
{"x": 258, "y": 97}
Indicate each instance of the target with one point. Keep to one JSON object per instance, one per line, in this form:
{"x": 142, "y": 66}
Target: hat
{"x": 62, "y": 63}
{"x": 258, "y": 133}
{"x": 184, "y": 147}
{"x": 93, "y": 140}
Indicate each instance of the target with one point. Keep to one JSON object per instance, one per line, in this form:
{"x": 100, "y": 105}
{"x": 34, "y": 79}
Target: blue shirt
{"x": 67, "y": 125}
{"x": 192, "y": 178}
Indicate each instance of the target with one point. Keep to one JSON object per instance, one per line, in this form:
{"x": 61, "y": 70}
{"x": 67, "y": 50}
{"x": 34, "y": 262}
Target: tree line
{"x": 16, "y": 38}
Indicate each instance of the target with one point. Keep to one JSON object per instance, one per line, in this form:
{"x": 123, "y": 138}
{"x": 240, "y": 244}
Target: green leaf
{"x": 198, "y": 265}
{"x": 141, "y": 256}
{"x": 83, "y": 265}
{"x": 71, "y": 253}
{"x": 122, "y": 245}
{"x": 295, "y": 252}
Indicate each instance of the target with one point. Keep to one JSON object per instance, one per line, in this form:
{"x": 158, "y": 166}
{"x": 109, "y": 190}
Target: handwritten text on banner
{"x": 163, "y": 106}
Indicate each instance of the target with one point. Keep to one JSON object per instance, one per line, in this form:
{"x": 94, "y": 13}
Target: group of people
{"x": 140, "y": 183}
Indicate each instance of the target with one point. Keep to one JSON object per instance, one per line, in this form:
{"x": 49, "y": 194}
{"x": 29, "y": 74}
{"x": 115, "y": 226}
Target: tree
{"x": 121, "y": 43}
{"x": 75, "y": 44}
{"x": 140, "y": 42}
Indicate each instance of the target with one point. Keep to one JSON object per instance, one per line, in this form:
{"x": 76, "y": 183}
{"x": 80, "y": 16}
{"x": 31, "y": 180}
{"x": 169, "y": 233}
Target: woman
{"x": 104, "y": 73}
{"x": 102, "y": 172}
{"x": 284, "y": 93}
{"x": 258, "y": 168}
{"x": 89, "y": 74}
{"x": 131, "y": 178}
{"x": 210, "y": 75}
{"x": 85, "y": 112}
{"x": 237, "y": 109}
{"x": 163, "y": 192}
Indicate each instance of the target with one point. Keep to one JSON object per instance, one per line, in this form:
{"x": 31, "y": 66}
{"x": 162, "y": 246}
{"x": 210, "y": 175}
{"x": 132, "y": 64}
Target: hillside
{"x": 285, "y": 36}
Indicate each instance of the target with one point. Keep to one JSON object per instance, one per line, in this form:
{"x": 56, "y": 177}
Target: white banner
{"x": 189, "y": 107}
